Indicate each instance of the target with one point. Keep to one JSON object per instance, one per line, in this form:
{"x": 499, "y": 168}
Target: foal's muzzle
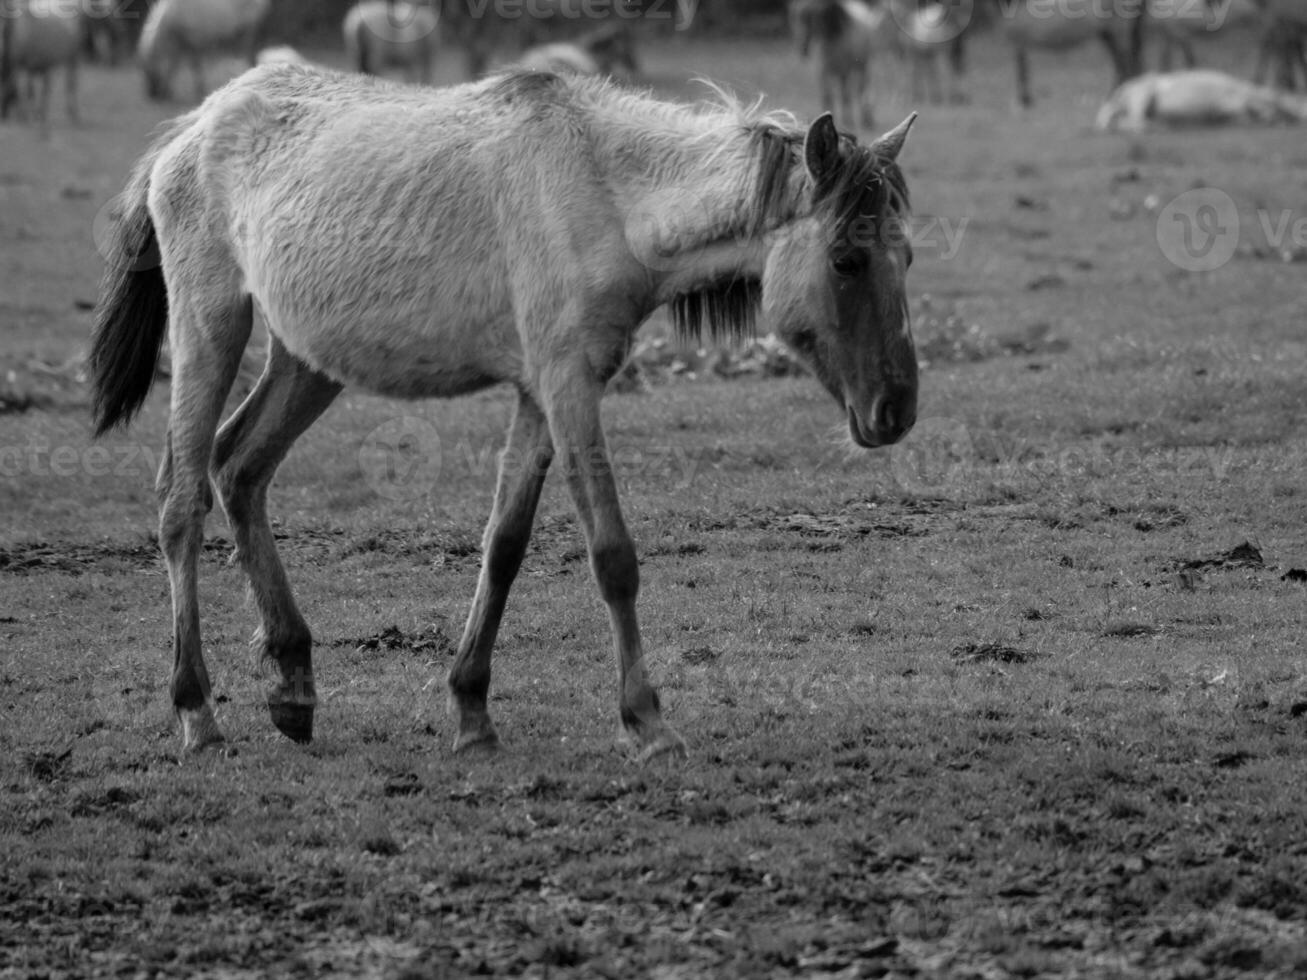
{"x": 892, "y": 414}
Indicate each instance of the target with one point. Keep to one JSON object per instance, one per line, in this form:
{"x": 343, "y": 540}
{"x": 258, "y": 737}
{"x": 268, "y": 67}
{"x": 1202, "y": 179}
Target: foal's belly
{"x": 410, "y": 346}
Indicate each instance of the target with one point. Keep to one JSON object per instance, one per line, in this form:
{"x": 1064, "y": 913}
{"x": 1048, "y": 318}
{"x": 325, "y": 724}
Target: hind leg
{"x": 862, "y": 86}
{"x": 285, "y": 402}
{"x": 70, "y": 91}
{"x": 197, "y": 73}
{"x": 1021, "y": 59}
{"x": 207, "y": 336}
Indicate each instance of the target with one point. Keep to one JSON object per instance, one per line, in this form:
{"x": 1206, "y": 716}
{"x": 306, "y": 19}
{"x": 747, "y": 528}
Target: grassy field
{"x": 1023, "y": 696}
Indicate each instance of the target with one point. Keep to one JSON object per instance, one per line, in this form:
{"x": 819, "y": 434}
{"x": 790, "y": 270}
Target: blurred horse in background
{"x": 36, "y": 38}
{"x": 381, "y": 34}
{"x": 1066, "y": 25}
{"x": 931, "y": 33}
{"x": 1196, "y": 97}
{"x": 607, "y": 50}
{"x": 1179, "y": 24}
{"x": 192, "y": 30}
{"x": 1283, "y": 44}
{"x": 846, "y": 36}
{"x": 105, "y": 37}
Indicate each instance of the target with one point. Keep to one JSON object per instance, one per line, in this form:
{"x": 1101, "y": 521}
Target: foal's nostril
{"x": 886, "y": 416}
{"x": 894, "y": 413}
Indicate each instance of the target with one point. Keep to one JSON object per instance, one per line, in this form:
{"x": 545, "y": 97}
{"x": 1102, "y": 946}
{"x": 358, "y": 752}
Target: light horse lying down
{"x": 429, "y": 243}
{"x": 1201, "y": 97}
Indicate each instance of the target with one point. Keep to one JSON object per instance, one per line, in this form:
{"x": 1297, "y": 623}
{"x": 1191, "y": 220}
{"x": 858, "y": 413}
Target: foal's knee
{"x": 616, "y": 569}
{"x": 181, "y": 516}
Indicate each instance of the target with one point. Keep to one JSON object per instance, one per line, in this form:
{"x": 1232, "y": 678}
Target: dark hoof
{"x": 484, "y": 740}
{"x": 295, "y": 721}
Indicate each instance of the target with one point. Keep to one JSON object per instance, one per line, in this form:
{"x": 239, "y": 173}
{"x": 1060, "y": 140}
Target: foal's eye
{"x": 848, "y": 265}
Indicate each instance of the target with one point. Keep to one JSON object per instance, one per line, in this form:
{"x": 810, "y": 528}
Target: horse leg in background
{"x": 70, "y": 89}
{"x": 827, "y": 84}
{"x": 571, "y": 402}
{"x": 1290, "y": 60}
{"x": 253, "y": 42}
{"x": 1265, "y": 51}
{"x": 932, "y": 85}
{"x": 287, "y": 399}
{"x": 1187, "y": 53}
{"x": 197, "y": 72}
{"x": 428, "y": 55}
{"x": 1021, "y": 58}
{"x": 39, "y": 104}
{"x": 956, "y": 58}
{"x": 522, "y": 469}
{"x": 862, "y": 85}
{"x": 844, "y": 102}
{"x": 1120, "y": 62}
{"x": 8, "y": 73}
{"x": 209, "y": 327}
{"x": 1131, "y": 63}
{"x": 1166, "y": 57}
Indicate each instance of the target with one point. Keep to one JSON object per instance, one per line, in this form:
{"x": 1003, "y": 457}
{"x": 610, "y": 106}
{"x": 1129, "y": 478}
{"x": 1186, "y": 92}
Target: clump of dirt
{"x": 431, "y": 639}
{"x": 1245, "y": 555}
{"x": 63, "y": 556}
{"x": 1129, "y": 629}
{"x": 700, "y": 655}
{"x": 975, "y": 653}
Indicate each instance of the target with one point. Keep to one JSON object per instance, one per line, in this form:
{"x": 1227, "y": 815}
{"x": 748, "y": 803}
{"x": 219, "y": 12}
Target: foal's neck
{"x": 690, "y": 194}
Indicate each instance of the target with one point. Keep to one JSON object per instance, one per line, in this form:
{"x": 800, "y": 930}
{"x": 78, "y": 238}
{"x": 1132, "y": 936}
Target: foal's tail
{"x": 131, "y": 317}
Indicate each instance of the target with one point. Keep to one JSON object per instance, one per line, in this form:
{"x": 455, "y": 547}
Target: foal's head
{"x": 834, "y": 282}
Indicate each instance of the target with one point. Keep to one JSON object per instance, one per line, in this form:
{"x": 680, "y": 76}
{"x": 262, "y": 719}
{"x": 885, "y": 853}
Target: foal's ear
{"x": 889, "y": 145}
{"x": 821, "y": 147}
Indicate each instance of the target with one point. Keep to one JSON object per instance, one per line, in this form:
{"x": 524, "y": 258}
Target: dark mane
{"x": 526, "y": 85}
{"x": 867, "y": 186}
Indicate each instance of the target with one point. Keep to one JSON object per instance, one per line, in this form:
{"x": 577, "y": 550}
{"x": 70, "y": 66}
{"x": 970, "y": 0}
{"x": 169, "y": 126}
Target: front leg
{"x": 522, "y": 469}
{"x": 1022, "y": 60}
{"x": 572, "y": 405}
{"x": 197, "y": 71}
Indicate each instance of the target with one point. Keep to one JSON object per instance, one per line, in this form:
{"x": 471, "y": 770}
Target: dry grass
{"x": 875, "y": 786}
